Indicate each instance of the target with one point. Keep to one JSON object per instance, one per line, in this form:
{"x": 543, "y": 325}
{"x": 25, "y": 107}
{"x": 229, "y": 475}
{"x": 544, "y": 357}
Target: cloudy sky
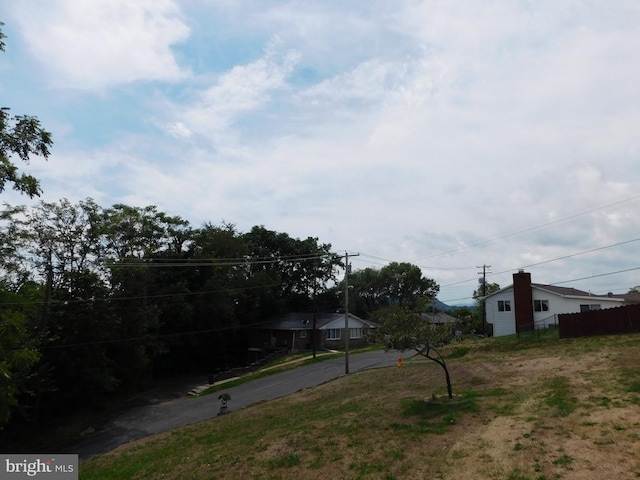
{"x": 446, "y": 134}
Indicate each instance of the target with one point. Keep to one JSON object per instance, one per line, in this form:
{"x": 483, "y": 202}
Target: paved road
{"x": 147, "y": 420}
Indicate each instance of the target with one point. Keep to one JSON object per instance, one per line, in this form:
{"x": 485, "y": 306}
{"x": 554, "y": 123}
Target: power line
{"x": 420, "y": 266}
{"x": 596, "y": 276}
{"x": 217, "y": 262}
{"x": 572, "y": 255}
{"x": 549, "y": 261}
{"x": 530, "y": 229}
{"x": 150, "y": 336}
{"x": 139, "y": 297}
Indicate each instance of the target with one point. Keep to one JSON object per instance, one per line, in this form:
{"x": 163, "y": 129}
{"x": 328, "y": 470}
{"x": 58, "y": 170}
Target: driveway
{"x": 147, "y": 420}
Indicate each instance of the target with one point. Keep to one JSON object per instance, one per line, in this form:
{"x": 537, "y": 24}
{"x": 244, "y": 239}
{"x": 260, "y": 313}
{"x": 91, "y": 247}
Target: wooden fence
{"x": 610, "y": 321}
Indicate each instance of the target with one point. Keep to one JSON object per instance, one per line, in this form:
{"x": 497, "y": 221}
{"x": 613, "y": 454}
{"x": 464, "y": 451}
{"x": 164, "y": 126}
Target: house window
{"x": 334, "y": 334}
{"x": 541, "y": 305}
{"x": 303, "y": 334}
{"x": 504, "y": 305}
{"x": 586, "y": 307}
{"x": 355, "y": 333}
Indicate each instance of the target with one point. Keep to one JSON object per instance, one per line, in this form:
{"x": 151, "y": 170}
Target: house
{"x": 524, "y": 306}
{"x": 295, "y": 332}
{"x": 440, "y": 318}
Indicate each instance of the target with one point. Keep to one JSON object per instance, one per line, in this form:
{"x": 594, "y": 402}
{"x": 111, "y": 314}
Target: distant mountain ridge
{"x": 443, "y": 307}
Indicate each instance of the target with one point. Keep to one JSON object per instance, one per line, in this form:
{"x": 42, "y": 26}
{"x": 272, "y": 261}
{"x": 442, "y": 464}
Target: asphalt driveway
{"x": 146, "y": 420}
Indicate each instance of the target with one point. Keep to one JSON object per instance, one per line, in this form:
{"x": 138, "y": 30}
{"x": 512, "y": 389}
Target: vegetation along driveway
{"x": 147, "y": 420}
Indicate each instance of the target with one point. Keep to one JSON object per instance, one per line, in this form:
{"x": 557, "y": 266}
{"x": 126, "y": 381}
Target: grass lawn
{"x": 528, "y": 410}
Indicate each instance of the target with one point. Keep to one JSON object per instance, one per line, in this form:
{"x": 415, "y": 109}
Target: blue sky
{"x": 446, "y": 134}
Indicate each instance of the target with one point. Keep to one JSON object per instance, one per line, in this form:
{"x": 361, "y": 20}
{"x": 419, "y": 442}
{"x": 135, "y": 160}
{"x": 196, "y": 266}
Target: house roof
{"x": 574, "y": 292}
{"x": 629, "y": 297}
{"x": 439, "y": 317}
{"x": 562, "y": 291}
{"x": 304, "y": 321}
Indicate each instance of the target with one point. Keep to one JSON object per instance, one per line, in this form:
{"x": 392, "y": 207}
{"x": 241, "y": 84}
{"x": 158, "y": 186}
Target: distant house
{"x": 524, "y": 306}
{"x": 294, "y": 331}
{"x": 440, "y": 318}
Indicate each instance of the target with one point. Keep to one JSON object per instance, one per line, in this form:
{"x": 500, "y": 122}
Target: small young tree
{"x": 402, "y": 329}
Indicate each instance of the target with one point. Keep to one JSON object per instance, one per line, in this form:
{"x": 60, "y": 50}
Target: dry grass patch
{"x": 562, "y": 409}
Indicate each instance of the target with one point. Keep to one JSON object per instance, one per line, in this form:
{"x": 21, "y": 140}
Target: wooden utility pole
{"x": 484, "y": 294}
{"x": 346, "y": 313}
{"x": 347, "y": 333}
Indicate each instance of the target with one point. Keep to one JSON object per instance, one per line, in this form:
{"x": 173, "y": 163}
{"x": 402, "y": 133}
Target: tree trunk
{"x": 440, "y": 361}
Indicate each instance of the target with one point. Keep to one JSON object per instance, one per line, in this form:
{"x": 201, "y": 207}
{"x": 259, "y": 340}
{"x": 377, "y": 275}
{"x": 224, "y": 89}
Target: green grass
{"x": 458, "y": 352}
{"x": 394, "y": 423}
{"x": 277, "y": 366}
{"x": 434, "y": 417}
{"x": 559, "y": 396}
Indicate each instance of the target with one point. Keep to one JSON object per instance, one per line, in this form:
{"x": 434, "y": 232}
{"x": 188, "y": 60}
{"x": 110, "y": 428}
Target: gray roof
{"x": 439, "y": 317}
{"x": 574, "y": 292}
{"x": 564, "y": 291}
{"x": 304, "y": 321}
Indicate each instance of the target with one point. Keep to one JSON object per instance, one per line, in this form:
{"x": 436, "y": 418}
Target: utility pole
{"x": 347, "y": 333}
{"x": 483, "y": 281}
{"x": 315, "y": 312}
{"x": 47, "y": 294}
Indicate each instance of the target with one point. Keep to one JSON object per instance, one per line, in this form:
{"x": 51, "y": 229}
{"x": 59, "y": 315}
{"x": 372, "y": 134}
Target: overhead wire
{"x": 150, "y": 336}
{"x": 554, "y": 260}
{"x": 216, "y": 262}
{"x": 243, "y": 261}
{"x": 535, "y": 227}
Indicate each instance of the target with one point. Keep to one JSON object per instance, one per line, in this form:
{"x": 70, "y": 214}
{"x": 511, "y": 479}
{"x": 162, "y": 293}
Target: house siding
{"x": 504, "y": 323}
{"x": 295, "y": 332}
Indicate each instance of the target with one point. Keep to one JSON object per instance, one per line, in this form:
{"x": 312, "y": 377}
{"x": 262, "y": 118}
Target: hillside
{"x": 554, "y": 409}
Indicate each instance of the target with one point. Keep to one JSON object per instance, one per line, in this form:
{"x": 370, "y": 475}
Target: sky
{"x": 447, "y": 134}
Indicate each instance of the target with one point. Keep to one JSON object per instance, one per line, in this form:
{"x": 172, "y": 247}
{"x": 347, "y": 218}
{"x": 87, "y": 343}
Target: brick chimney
{"x": 523, "y": 299}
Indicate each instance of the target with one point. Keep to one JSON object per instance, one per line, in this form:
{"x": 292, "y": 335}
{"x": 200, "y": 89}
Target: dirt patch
{"x": 600, "y": 438}
{"x": 569, "y": 410}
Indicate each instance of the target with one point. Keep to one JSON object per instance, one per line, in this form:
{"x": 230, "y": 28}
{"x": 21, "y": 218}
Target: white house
{"x": 524, "y": 306}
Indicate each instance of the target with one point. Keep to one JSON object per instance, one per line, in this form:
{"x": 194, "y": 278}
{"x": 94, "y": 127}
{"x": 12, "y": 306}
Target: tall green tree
{"x": 295, "y": 269}
{"x": 399, "y": 284}
{"x": 76, "y": 324}
{"x": 21, "y": 136}
{"x": 488, "y": 289}
{"x": 145, "y": 294}
{"x": 18, "y": 352}
{"x": 478, "y": 295}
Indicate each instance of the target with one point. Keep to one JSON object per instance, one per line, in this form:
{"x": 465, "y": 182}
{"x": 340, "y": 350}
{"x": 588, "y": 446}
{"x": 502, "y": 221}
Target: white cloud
{"x": 406, "y": 131}
{"x": 238, "y": 92}
{"x": 99, "y": 44}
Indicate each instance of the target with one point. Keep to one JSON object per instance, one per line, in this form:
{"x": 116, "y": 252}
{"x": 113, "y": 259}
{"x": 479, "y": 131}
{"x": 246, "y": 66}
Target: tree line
{"x": 98, "y": 301}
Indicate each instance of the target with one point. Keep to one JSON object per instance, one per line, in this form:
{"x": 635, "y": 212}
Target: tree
{"x": 478, "y": 296}
{"x": 17, "y": 353}
{"x": 402, "y": 329}
{"x": 297, "y": 269}
{"x": 394, "y": 284}
{"x": 488, "y": 290}
{"x": 20, "y": 135}
{"x": 468, "y": 319}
